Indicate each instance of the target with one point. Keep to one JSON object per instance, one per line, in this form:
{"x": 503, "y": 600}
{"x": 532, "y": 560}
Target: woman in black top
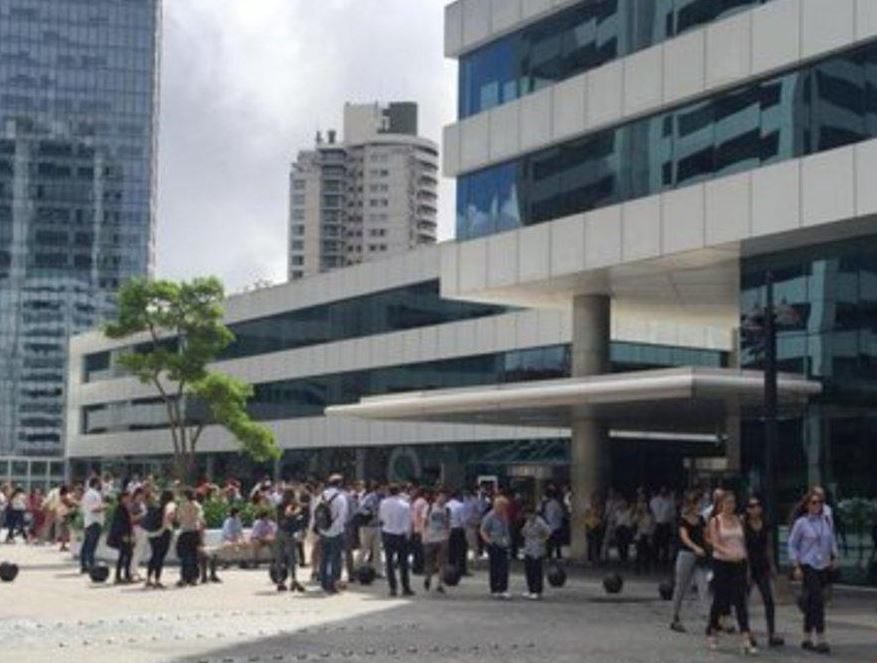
{"x": 121, "y": 537}
{"x": 758, "y": 549}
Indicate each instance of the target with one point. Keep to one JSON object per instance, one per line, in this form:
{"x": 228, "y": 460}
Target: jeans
{"x": 729, "y": 584}
{"x": 396, "y": 553}
{"x": 761, "y": 579}
{"x": 643, "y": 554}
{"x": 159, "y": 545}
{"x": 663, "y": 540}
{"x": 187, "y": 551}
{"x": 457, "y": 549}
{"x": 499, "y": 568}
{"x": 534, "y": 573}
{"x": 123, "y": 562}
{"x": 286, "y": 553}
{"x": 687, "y": 571}
{"x": 555, "y": 544}
{"x": 416, "y": 547}
{"x": 814, "y": 585}
{"x": 330, "y": 561}
{"x": 89, "y": 546}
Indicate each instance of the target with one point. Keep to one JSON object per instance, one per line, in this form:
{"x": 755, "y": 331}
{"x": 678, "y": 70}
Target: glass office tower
{"x": 78, "y": 120}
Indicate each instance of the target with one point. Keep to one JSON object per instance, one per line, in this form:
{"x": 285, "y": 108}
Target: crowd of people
{"x": 354, "y": 532}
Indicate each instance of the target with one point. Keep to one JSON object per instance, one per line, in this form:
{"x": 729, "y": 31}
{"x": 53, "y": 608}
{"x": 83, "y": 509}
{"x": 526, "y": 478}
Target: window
{"x": 298, "y": 231}
{"x": 804, "y": 111}
{"x": 571, "y": 42}
{"x": 298, "y": 245}
{"x": 299, "y": 185}
{"x": 298, "y": 199}
{"x": 298, "y": 261}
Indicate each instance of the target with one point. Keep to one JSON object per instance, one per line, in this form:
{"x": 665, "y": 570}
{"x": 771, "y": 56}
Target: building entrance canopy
{"x": 690, "y": 400}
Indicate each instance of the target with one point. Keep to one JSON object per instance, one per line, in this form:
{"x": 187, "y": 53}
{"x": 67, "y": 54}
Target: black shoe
{"x": 426, "y": 583}
{"x": 216, "y": 579}
{"x": 407, "y": 592}
{"x": 807, "y": 645}
{"x": 440, "y": 589}
{"x": 822, "y": 648}
{"x": 393, "y": 593}
{"x": 775, "y": 641}
{"x": 677, "y": 626}
{"x": 281, "y": 588}
{"x": 298, "y": 587}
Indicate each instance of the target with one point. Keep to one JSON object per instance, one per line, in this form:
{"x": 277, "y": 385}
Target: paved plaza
{"x": 51, "y": 614}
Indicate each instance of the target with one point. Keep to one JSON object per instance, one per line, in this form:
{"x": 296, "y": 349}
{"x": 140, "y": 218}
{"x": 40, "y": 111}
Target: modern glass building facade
{"x": 813, "y": 109}
{"x": 574, "y": 41}
{"x": 78, "y": 120}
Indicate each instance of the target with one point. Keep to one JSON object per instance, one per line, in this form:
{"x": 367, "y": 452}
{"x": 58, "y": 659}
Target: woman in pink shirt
{"x": 728, "y": 542}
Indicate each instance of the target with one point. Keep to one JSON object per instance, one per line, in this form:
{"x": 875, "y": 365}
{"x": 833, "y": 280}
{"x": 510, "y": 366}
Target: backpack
{"x": 151, "y": 522}
{"x": 323, "y": 514}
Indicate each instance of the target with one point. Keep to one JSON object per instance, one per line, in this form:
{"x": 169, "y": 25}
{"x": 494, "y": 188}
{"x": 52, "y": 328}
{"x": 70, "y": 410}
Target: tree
{"x": 185, "y": 332}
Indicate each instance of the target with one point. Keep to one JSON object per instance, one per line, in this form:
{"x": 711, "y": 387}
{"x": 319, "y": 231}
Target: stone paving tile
{"x": 52, "y": 615}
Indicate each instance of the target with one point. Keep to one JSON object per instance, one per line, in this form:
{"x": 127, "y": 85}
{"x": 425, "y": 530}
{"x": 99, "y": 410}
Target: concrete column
{"x": 590, "y": 463}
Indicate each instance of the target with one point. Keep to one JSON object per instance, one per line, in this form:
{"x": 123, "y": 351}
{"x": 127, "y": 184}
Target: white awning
{"x": 690, "y": 399}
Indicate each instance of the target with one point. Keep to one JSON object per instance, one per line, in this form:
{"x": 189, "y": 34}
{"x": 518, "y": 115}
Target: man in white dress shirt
{"x": 395, "y": 516}
{"x": 332, "y": 536}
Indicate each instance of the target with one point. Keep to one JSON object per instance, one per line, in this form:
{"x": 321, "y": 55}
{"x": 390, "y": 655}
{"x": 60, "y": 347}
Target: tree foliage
{"x": 184, "y": 331}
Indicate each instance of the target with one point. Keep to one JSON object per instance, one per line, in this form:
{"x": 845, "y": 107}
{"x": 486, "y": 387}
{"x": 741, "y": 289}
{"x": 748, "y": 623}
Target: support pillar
{"x": 590, "y": 461}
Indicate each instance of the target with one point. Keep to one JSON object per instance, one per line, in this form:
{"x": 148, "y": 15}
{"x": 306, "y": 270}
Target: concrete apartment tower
{"x": 368, "y": 196}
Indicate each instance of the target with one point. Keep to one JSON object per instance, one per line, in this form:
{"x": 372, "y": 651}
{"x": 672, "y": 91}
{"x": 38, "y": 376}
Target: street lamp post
{"x": 771, "y": 432}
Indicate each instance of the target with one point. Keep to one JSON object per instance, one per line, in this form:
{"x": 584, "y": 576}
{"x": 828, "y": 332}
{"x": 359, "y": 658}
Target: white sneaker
{"x": 526, "y": 595}
{"x": 534, "y": 597}
{"x": 505, "y": 596}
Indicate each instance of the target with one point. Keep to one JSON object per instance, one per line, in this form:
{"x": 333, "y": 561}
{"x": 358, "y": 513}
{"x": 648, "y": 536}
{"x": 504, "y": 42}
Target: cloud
{"x": 245, "y": 85}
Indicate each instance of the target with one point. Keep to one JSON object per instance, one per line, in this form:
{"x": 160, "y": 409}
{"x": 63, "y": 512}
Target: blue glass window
{"x": 568, "y": 43}
{"x": 820, "y": 107}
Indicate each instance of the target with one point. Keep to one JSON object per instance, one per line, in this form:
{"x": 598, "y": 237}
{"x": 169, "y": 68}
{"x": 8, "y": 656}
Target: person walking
{"x": 813, "y": 554}
{"x": 190, "y": 518}
{"x": 369, "y": 553}
{"x": 728, "y": 541}
{"x": 535, "y": 533}
{"x": 644, "y": 536}
{"x": 330, "y": 520}
{"x": 758, "y": 552}
{"x": 159, "y": 526}
{"x": 16, "y": 510}
{"x": 395, "y": 516}
{"x": 291, "y": 521}
{"x": 552, "y": 513}
{"x": 436, "y": 533}
{"x": 663, "y": 509}
{"x": 497, "y": 537}
{"x": 121, "y": 538}
{"x": 692, "y": 561}
{"x": 420, "y": 502}
{"x": 457, "y": 545}
{"x": 139, "y": 509}
{"x": 93, "y": 509}
{"x": 623, "y": 527}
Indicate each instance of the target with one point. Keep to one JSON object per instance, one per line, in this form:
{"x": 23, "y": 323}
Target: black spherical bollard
{"x": 450, "y": 575}
{"x": 278, "y": 574}
{"x": 613, "y": 584}
{"x": 8, "y": 571}
{"x": 365, "y": 575}
{"x": 99, "y": 573}
{"x": 665, "y": 590}
{"x": 556, "y": 575}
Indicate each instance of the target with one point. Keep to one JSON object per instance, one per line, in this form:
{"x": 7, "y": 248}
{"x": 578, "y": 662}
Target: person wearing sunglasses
{"x": 813, "y": 552}
{"x": 761, "y": 567}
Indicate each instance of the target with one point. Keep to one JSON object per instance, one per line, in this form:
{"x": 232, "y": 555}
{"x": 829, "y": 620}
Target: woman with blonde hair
{"x": 728, "y": 540}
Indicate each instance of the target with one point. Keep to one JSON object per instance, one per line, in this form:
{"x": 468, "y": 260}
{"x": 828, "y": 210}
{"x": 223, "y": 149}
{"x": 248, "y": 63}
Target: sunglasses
{"x": 753, "y": 505}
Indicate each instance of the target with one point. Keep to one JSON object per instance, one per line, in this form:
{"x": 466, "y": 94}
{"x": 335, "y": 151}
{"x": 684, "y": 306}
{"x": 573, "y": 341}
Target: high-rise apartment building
{"x": 373, "y": 195}
{"x": 78, "y": 113}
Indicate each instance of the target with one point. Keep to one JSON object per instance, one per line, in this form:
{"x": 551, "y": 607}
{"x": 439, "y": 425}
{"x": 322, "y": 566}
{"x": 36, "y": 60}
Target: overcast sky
{"x": 246, "y": 84}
